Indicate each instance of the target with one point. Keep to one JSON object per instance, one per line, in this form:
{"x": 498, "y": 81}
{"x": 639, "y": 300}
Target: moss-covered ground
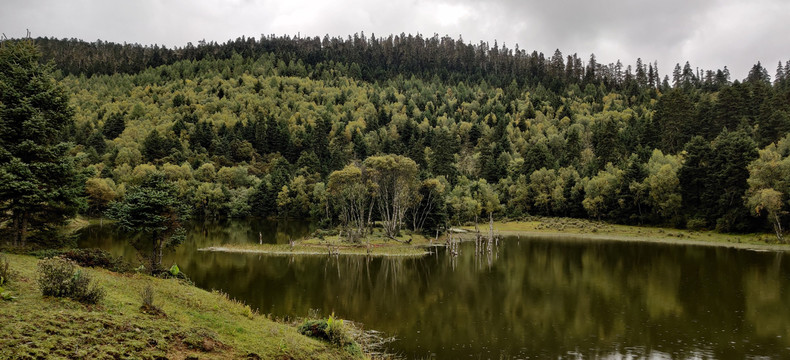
{"x": 195, "y": 324}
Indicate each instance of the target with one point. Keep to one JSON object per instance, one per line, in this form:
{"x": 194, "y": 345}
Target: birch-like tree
{"x": 395, "y": 185}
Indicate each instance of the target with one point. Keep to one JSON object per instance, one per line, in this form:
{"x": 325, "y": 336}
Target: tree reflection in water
{"x": 529, "y": 297}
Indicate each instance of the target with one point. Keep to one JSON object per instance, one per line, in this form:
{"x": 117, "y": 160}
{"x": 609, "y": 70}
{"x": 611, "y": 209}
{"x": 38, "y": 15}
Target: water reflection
{"x": 527, "y": 298}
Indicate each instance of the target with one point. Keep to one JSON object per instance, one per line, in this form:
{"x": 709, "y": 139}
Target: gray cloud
{"x": 708, "y": 33}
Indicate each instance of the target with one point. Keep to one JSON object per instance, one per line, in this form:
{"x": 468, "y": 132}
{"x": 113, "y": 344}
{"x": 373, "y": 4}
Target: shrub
{"x": 84, "y": 289}
{"x": 331, "y": 329}
{"x": 5, "y": 275}
{"x": 91, "y": 257}
{"x": 338, "y": 333}
{"x": 5, "y": 271}
{"x": 61, "y": 278}
{"x": 315, "y": 329}
{"x": 88, "y": 258}
{"x": 696, "y": 224}
{"x": 147, "y": 297}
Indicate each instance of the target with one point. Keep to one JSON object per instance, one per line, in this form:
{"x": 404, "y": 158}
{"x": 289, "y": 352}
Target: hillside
{"x": 196, "y": 324}
{"x": 256, "y": 127}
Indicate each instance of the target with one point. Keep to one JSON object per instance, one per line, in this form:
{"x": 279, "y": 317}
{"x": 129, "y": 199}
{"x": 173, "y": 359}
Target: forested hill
{"x": 372, "y": 59}
{"x": 256, "y": 127}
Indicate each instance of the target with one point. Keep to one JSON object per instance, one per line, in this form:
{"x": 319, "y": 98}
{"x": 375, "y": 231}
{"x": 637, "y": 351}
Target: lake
{"x": 530, "y": 298}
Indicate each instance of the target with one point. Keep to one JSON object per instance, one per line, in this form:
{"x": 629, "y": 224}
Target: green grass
{"x": 375, "y": 244}
{"x": 80, "y": 222}
{"x": 579, "y": 228}
{"x": 196, "y": 323}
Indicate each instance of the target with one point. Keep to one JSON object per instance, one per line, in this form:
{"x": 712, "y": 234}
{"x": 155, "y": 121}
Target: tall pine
{"x": 38, "y": 183}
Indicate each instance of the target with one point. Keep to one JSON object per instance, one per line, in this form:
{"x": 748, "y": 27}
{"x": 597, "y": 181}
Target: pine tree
{"x": 114, "y": 125}
{"x": 153, "y": 209}
{"x": 39, "y": 186}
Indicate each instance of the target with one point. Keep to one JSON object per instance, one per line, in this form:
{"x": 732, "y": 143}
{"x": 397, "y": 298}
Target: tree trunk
{"x": 491, "y": 225}
{"x": 23, "y": 228}
{"x": 154, "y": 251}
{"x": 161, "y": 250}
{"x": 778, "y": 228}
{"x": 16, "y": 228}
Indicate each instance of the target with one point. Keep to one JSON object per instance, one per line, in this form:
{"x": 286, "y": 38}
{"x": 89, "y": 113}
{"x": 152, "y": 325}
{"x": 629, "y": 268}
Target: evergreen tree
{"x": 153, "y": 209}
{"x": 155, "y": 146}
{"x": 733, "y": 152}
{"x": 696, "y": 181}
{"x": 39, "y": 186}
{"x": 114, "y": 125}
{"x": 673, "y": 116}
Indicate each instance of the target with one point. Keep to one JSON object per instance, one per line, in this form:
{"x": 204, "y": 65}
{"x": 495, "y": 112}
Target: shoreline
{"x": 624, "y": 233}
{"x": 282, "y": 250}
{"x": 566, "y": 236}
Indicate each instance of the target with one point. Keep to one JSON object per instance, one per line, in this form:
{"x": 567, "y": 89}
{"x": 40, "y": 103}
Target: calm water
{"x": 535, "y": 298}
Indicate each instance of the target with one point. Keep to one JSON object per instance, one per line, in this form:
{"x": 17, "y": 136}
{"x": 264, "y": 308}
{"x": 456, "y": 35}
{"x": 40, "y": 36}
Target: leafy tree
{"x": 101, "y": 192}
{"x": 546, "y": 190}
{"x": 154, "y": 210}
{"x": 769, "y": 185}
{"x": 663, "y": 185}
{"x": 394, "y": 181}
{"x": 462, "y": 201}
{"x": 429, "y": 209}
{"x": 602, "y": 192}
{"x": 349, "y": 193}
{"x": 39, "y": 186}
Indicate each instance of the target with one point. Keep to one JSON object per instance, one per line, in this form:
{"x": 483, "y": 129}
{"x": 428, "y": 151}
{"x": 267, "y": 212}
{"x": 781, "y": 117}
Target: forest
{"x": 414, "y": 132}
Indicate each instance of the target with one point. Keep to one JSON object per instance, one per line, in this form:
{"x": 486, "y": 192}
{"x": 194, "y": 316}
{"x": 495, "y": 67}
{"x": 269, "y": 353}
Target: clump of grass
{"x": 61, "y": 278}
{"x": 148, "y": 306}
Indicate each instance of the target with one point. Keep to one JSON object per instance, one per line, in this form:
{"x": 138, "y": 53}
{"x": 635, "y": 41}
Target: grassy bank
{"x": 584, "y": 229}
{"x": 375, "y": 244}
{"x": 80, "y": 222}
{"x": 196, "y": 324}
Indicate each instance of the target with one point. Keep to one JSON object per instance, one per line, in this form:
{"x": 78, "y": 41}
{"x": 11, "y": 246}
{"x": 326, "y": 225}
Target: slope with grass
{"x": 194, "y": 323}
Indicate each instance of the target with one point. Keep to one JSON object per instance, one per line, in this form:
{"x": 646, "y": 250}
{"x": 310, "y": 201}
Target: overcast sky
{"x": 708, "y": 33}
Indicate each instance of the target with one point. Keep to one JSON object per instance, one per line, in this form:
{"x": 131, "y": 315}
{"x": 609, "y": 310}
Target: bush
{"x": 5, "y": 271}
{"x": 696, "y": 224}
{"x": 5, "y": 275}
{"x": 61, "y": 278}
{"x": 88, "y": 258}
{"x": 330, "y": 329}
{"x": 315, "y": 329}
